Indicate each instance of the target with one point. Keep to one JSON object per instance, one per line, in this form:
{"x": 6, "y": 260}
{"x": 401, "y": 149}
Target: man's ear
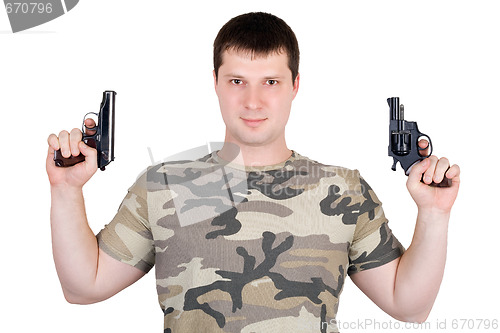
{"x": 215, "y": 80}
{"x": 296, "y": 85}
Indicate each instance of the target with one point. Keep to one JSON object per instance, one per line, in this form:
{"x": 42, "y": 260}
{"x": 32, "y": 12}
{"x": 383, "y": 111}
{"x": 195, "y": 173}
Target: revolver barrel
{"x": 400, "y": 136}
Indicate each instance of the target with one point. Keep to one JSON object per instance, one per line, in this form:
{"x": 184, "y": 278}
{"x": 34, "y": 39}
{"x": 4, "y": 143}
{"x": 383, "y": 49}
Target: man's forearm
{"x": 74, "y": 244}
{"x": 421, "y": 267}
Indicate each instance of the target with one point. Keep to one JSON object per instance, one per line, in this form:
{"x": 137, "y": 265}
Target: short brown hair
{"x": 260, "y": 34}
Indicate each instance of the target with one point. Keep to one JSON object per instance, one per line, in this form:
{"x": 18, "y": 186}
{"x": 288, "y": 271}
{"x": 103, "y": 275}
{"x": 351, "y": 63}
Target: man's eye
{"x": 272, "y": 82}
{"x": 236, "y": 81}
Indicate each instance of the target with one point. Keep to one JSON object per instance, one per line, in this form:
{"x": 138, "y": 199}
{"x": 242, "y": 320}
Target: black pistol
{"x": 403, "y": 140}
{"x": 103, "y": 140}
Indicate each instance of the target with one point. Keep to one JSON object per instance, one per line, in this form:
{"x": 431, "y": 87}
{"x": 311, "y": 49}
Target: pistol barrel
{"x": 107, "y": 129}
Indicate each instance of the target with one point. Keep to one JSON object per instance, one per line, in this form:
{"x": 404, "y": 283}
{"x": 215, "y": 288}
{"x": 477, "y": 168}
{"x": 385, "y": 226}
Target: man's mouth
{"x": 253, "y": 122}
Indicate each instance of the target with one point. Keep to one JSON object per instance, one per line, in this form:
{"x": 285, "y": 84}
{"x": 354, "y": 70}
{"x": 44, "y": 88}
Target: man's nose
{"x": 253, "y": 98}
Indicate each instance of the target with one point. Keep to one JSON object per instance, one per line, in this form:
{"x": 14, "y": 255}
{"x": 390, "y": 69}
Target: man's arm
{"x": 87, "y": 274}
{"x": 407, "y": 287}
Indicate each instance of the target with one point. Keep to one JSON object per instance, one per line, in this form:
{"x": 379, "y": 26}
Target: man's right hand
{"x": 87, "y": 274}
{"x": 71, "y": 144}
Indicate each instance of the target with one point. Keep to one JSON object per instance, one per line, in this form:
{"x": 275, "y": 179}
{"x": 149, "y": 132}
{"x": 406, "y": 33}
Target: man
{"x": 254, "y": 237}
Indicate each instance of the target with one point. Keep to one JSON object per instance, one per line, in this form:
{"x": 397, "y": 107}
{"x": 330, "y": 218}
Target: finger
{"x": 53, "y": 142}
{"x": 441, "y": 167}
{"x": 75, "y": 136}
{"x": 453, "y": 173}
{"x": 64, "y": 144}
{"x": 424, "y": 145}
{"x": 429, "y": 173}
{"x": 89, "y": 123}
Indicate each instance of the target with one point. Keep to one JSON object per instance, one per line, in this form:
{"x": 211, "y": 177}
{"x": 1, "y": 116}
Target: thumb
{"x": 416, "y": 172}
{"x": 89, "y": 153}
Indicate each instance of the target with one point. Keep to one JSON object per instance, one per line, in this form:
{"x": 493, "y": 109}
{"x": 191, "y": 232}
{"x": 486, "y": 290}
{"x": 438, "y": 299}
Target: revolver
{"x": 103, "y": 140}
{"x": 403, "y": 140}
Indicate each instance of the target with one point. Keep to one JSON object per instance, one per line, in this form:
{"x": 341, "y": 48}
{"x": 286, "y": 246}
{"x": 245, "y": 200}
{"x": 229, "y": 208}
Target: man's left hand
{"x": 433, "y": 169}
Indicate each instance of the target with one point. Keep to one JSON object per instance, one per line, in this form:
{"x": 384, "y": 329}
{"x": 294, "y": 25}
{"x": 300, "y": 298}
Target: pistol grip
{"x": 446, "y": 182}
{"x": 64, "y": 162}
{"x": 61, "y": 161}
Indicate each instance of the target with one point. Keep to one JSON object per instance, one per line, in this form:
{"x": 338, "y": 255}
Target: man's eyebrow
{"x": 232, "y": 75}
{"x": 271, "y": 77}
{"x": 267, "y": 77}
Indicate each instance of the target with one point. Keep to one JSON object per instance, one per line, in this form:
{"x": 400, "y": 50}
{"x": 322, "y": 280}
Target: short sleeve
{"x": 128, "y": 236}
{"x": 373, "y": 244}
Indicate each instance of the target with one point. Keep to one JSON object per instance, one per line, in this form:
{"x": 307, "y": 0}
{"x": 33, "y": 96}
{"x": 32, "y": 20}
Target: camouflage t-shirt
{"x": 250, "y": 249}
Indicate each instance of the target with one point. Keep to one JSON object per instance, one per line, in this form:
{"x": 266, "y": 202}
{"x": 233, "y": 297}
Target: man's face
{"x": 255, "y": 97}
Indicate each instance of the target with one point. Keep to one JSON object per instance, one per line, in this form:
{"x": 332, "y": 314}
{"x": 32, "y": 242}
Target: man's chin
{"x": 251, "y": 141}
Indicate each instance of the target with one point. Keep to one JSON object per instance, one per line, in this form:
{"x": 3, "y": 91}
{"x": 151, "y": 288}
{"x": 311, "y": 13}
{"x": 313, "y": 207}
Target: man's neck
{"x": 254, "y": 155}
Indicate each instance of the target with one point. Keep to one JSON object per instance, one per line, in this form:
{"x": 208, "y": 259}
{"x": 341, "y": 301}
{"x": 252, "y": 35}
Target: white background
{"x": 440, "y": 57}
